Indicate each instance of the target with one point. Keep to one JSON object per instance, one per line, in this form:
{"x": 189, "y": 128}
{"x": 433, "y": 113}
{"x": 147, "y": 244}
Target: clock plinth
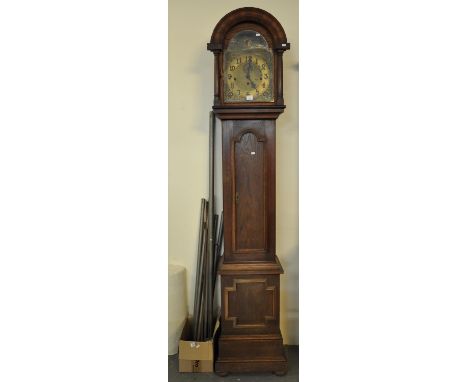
{"x": 248, "y": 45}
{"x": 250, "y": 339}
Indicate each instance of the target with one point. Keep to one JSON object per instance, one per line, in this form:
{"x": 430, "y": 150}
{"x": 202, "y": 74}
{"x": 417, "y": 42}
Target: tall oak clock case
{"x": 248, "y": 45}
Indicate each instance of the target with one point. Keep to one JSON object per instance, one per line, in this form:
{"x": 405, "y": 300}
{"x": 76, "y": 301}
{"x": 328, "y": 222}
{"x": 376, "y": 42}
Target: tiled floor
{"x": 292, "y": 353}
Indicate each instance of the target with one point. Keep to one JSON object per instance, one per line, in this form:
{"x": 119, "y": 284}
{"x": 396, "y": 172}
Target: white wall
{"x": 190, "y": 99}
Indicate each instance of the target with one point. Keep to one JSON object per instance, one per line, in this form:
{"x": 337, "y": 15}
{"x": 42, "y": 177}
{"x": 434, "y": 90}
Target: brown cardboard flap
{"x": 187, "y": 334}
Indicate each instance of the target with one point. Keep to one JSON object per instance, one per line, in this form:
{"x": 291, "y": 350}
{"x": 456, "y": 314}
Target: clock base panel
{"x": 260, "y": 363}
{"x": 279, "y": 367}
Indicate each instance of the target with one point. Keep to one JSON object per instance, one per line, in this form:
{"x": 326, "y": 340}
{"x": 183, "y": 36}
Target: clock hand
{"x": 249, "y": 68}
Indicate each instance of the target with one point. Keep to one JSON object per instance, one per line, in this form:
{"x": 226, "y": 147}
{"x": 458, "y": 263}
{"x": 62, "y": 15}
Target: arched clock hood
{"x": 266, "y": 24}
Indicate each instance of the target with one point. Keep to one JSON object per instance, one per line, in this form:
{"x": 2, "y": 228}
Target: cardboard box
{"x": 194, "y": 356}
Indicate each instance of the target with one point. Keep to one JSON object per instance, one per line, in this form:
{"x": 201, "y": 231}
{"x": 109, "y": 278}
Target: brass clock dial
{"x": 248, "y": 77}
{"x": 248, "y": 68}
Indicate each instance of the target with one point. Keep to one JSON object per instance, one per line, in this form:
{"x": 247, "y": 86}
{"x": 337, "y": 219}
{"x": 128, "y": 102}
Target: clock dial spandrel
{"x": 248, "y": 69}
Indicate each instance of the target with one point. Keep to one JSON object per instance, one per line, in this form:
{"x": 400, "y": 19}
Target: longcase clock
{"x": 248, "y": 45}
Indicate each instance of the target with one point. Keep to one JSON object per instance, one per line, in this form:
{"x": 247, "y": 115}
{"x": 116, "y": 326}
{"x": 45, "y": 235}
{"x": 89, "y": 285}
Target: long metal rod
{"x": 215, "y": 240}
{"x": 219, "y": 240}
{"x": 219, "y": 237}
{"x": 209, "y": 270}
{"x": 219, "y": 245}
{"x": 215, "y": 234}
{"x": 204, "y": 313}
{"x": 205, "y": 270}
{"x": 196, "y": 306}
{"x": 201, "y": 276}
{"x": 199, "y": 336}
{"x": 200, "y": 330}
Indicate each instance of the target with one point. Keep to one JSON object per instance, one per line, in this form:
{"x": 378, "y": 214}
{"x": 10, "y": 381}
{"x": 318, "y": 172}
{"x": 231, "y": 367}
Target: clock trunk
{"x": 249, "y": 190}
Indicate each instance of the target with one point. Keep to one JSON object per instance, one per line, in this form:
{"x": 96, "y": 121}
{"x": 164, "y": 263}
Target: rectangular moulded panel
{"x": 249, "y": 190}
{"x": 250, "y": 304}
